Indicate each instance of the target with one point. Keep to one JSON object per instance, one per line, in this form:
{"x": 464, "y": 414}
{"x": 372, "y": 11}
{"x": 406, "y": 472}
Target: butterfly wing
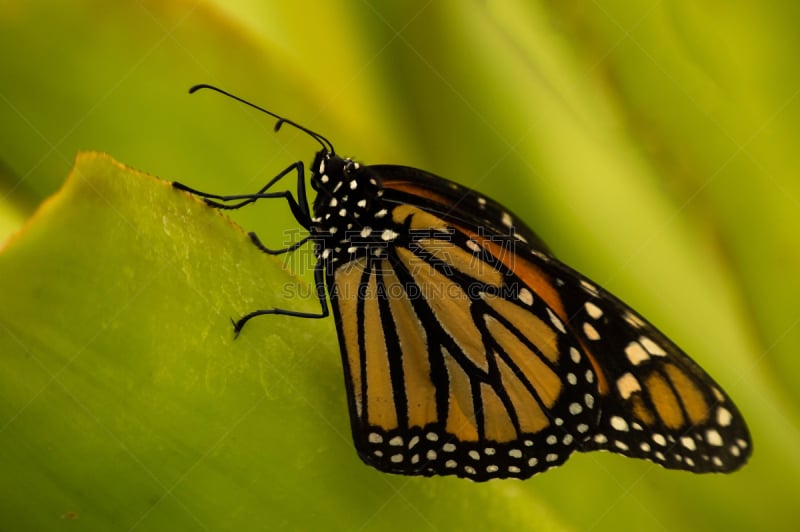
{"x": 453, "y": 202}
{"x": 452, "y": 365}
{"x": 656, "y": 402}
{"x": 470, "y": 350}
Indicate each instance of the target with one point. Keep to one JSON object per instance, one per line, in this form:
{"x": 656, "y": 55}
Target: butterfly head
{"x": 347, "y": 211}
{"x": 325, "y": 165}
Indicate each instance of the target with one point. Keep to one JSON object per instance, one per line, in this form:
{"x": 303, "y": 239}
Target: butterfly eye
{"x": 350, "y": 167}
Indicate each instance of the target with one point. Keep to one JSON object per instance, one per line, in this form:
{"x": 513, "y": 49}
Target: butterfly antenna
{"x": 326, "y": 144}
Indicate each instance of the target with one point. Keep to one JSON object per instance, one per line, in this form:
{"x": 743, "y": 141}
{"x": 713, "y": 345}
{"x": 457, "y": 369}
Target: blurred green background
{"x": 651, "y": 144}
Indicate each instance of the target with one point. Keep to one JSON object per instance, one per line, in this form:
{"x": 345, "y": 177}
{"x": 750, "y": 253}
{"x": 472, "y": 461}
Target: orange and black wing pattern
{"x": 656, "y": 402}
{"x": 452, "y": 364}
{"x": 470, "y": 350}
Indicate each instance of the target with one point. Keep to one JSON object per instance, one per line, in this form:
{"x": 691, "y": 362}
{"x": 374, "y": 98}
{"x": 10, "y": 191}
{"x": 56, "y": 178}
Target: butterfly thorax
{"x": 350, "y": 219}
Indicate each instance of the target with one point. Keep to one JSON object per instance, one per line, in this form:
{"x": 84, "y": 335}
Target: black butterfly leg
{"x": 301, "y": 212}
{"x": 319, "y": 282}
{"x": 299, "y": 207}
{"x": 289, "y": 249}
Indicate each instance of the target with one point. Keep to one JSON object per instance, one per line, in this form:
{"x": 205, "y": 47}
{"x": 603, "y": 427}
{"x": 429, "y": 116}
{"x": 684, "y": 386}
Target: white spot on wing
{"x": 590, "y": 332}
{"x": 713, "y": 437}
{"x": 632, "y": 320}
{"x": 588, "y": 400}
{"x": 593, "y": 310}
{"x": 556, "y": 322}
{"x": 635, "y": 353}
{"x": 723, "y": 417}
{"x": 589, "y": 287}
{"x": 652, "y": 347}
{"x": 388, "y": 235}
{"x": 525, "y": 296}
{"x": 617, "y": 423}
{"x": 628, "y": 385}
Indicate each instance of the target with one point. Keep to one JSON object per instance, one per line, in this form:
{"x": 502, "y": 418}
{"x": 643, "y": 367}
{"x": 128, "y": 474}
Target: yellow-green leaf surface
{"x": 127, "y": 403}
{"x": 651, "y": 144}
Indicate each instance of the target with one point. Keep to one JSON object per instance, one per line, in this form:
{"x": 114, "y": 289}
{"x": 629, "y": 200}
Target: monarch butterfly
{"x": 468, "y": 349}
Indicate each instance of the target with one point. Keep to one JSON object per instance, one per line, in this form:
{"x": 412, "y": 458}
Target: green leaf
{"x": 126, "y": 401}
